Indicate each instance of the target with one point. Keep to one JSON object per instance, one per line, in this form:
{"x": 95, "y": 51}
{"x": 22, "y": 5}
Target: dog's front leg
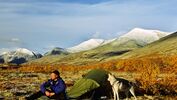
{"x": 117, "y": 91}
{"x": 117, "y": 94}
{"x": 114, "y": 93}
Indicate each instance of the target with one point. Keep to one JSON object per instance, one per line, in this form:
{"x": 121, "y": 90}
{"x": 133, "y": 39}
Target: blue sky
{"x": 40, "y": 25}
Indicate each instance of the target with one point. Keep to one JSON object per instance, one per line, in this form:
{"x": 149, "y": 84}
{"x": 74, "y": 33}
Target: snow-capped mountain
{"x": 137, "y": 35}
{"x": 144, "y": 36}
{"x": 19, "y": 56}
{"x": 24, "y": 51}
{"x": 3, "y": 51}
{"x": 89, "y": 44}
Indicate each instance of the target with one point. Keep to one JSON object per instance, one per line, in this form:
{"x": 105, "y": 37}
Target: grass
{"x": 156, "y": 74}
{"x": 153, "y": 68}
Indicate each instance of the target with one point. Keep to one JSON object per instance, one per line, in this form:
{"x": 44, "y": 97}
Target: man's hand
{"x": 47, "y": 93}
{"x": 51, "y": 94}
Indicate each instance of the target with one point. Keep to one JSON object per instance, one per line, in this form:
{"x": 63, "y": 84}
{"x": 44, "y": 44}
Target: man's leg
{"x": 35, "y": 95}
{"x": 58, "y": 97}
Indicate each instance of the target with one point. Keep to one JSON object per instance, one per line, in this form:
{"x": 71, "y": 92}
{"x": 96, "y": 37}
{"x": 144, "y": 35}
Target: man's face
{"x": 53, "y": 76}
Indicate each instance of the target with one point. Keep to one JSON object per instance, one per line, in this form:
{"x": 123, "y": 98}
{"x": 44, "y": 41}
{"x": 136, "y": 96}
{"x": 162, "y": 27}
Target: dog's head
{"x": 110, "y": 77}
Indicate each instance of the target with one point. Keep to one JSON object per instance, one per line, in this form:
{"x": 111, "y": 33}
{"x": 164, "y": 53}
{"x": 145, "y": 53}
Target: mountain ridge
{"x": 105, "y": 52}
{"x": 142, "y": 36}
{"x": 19, "y": 56}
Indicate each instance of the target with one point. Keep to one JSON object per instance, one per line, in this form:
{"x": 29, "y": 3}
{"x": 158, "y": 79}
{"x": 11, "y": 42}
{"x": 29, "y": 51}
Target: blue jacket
{"x": 56, "y": 86}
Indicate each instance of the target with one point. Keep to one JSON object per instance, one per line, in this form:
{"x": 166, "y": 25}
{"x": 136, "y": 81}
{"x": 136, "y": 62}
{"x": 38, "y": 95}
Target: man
{"x": 54, "y": 88}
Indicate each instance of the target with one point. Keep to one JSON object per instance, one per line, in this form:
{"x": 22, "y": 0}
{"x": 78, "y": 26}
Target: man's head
{"x": 54, "y": 75}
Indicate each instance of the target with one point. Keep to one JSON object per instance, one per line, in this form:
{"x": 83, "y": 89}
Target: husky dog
{"x": 122, "y": 85}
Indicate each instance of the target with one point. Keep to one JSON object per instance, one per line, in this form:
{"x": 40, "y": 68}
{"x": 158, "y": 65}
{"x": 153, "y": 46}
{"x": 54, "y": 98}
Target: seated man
{"x": 54, "y": 88}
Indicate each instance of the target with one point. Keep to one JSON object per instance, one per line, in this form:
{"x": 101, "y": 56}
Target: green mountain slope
{"x": 114, "y": 50}
{"x": 98, "y": 54}
{"x": 165, "y": 46}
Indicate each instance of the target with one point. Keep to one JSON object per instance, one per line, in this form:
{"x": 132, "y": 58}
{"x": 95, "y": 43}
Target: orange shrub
{"x": 149, "y": 67}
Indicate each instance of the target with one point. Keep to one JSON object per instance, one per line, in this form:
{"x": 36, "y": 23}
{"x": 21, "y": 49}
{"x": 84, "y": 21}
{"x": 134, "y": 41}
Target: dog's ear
{"x": 110, "y": 73}
{"x": 114, "y": 76}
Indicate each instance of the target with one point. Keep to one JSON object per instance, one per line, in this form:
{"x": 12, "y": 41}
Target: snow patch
{"x": 25, "y": 51}
{"x": 146, "y": 36}
{"x": 86, "y": 45}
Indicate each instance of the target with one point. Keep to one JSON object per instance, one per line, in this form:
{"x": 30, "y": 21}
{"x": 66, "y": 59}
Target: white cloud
{"x": 42, "y": 23}
{"x": 15, "y": 40}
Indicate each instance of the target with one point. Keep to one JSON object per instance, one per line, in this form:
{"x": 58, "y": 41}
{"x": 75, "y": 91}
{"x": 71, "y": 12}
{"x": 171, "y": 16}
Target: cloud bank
{"x": 42, "y": 24}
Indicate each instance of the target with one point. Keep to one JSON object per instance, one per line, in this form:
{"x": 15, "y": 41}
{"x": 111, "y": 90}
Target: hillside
{"x": 113, "y": 50}
{"x": 165, "y": 46}
{"x": 56, "y": 51}
{"x": 135, "y": 38}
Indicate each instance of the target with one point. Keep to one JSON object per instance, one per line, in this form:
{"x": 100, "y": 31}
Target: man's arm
{"x": 44, "y": 85}
{"x": 51, "y": 94}
{"x": 60, "y": 87}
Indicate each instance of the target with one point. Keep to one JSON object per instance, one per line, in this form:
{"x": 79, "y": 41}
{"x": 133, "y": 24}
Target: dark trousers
{"x": 38, "y": 94}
